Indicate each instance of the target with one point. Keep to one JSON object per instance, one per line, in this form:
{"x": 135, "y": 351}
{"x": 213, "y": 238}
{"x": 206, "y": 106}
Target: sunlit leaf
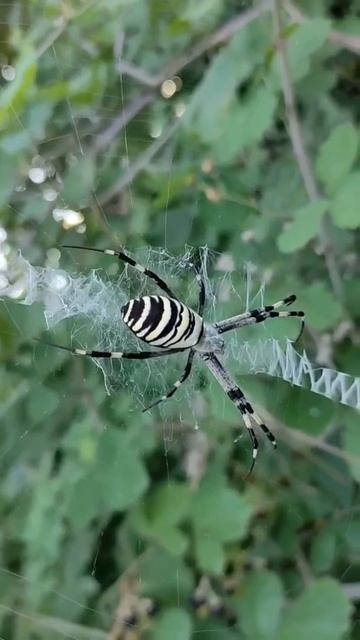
{"x": 322, "y": 612}
{"x": 175, "y": 624}
{"x": 246, "y": 123}
{"x": 261, "y": 605}
{"x": 337, "y": 155}
{"x": 322, "y": 309}
{"x": 303, "y": 42}
{"x": 302, "y": 228}
{"x": 344, "y": 209}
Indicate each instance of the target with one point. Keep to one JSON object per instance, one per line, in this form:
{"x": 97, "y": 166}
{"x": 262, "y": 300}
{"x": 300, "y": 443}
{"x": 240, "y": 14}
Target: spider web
{"x": 85, "y": 308}
{"x": 93, "y": 301}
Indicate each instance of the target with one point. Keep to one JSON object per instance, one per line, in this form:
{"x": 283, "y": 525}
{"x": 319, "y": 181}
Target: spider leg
{"x": 265, "y": 315}
{"x": 238, "y": 398}
{"x": 262, "y": 426}
{"x": 177, "y": 384}
{"x": 136, "y": 355}
{"x": 125, "y": 258}
{"x": 255, "y": 316}
{"x": 236, "y": 395}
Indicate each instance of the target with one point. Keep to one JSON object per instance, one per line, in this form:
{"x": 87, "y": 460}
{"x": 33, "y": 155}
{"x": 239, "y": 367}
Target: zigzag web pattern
{"x": 271, "y": 358}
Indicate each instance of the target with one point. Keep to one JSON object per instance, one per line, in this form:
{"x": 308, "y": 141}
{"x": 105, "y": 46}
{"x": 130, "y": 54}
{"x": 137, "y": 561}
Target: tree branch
{"x": 140, "y": 163}
{"x": 291, "y": 113}
{"x": 300, "y": 152}
{"x": 104, "y": 138}
{"x": 222, "y": 35}
{"x": 61, "y": 28}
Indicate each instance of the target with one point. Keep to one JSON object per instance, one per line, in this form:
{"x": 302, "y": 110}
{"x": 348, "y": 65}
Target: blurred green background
{"x": 149, "y": 123}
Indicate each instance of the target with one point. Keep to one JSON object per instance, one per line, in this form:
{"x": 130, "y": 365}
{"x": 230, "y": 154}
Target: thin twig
{"x": 344, "y": 40}
{"x": 352, "y": 591}
{"x": 318, "y": 443}
{"x": 104, "y": 138}
{"x": 291, "y": 113}
{"x": 222, "y": 35}
{"x": 294, "y": 437}
{"x": 49, "y": 42}
{"x": 304, "y": 569}
{"x": 51, "y": 39}
{"x": 137, "y": 73}
{"x": 300, "y": 153}
{"x": 140, "y": 163}
{"x": 67, "y": 629}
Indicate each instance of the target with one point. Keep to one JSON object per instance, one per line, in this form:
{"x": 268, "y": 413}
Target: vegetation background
{"x": 143, "y": 122}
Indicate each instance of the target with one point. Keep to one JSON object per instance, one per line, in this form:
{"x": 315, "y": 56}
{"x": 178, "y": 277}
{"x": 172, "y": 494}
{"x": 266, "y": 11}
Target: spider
{"x": 164, "y": 322}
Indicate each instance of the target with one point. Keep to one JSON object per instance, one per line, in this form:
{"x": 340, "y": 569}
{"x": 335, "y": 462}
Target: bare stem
{"x": 291, "y": 113}
{"x": 137, "y": 73}
{"x": 222, "y": 35}
{"x": 140, "y": 163}
{"x": 50, "y": 41}
{"x": 300, "y": 153}
{"x": 104, "y": 138}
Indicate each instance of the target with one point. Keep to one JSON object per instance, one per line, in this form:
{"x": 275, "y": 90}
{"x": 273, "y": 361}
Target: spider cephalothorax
{"x": 172, "y": 327}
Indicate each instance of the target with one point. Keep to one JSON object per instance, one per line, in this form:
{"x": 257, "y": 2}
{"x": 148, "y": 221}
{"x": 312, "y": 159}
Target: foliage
{"x": 91, "y": 490}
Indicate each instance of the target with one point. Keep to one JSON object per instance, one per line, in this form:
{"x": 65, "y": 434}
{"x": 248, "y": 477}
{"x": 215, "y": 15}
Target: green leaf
{"x": 78, "y": 182}
{"x": 246, "y": 123}
{"x": 119, "y": 470}
{"x": 345, "y": 208}
{"x": 308, "y": 38}
{"x": 109, "y": 474}
{"x": 42, "y": 403}
{"x": 157, "y": 519}
{"x": 220, "y": 513}
{"x": 302, "y": 409}
{"x": 175, "y": 624}
{"x": 42, "y": 534}
{"x": 322, "y": 612}
{"x": 158, "y": 568}
{"x": 303, "y": 227}
{"x": 199, "y": 12}
{"x": 210, "y": 554}
{"x": 323, "y": 550}
{"x": 352, "y": 534}
{"x": 260, "y": 606}
{"x": 207, "y": 108}
{"x": 337, "y": 155}
{"x": 322, "y": 310}
{"x": 226, "y": 215}
{"x": 170, "y": 504}
{"x": 171, "y": 539}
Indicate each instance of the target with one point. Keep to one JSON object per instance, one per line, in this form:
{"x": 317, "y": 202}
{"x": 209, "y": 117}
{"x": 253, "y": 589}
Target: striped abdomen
{"x": 163, "y": 322}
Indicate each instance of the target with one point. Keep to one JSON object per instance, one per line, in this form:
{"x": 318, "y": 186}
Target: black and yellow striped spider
{"x": 172, "y": 327}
